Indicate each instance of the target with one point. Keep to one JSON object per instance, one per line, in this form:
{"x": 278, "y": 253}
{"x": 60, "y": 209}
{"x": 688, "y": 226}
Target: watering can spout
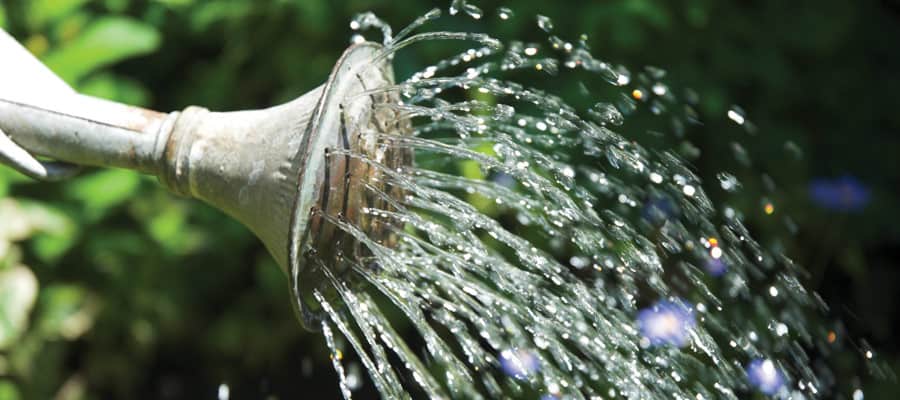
{"x": 270, "y": 168}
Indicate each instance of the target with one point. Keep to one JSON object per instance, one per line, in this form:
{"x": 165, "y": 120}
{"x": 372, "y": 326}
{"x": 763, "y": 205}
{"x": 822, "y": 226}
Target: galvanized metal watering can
{"x": 270, "y": 169}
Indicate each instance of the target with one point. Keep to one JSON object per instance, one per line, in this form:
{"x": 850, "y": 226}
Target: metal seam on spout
{"x": 174, "y": 157}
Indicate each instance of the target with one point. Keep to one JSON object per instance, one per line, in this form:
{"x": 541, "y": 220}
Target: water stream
{"x": 544, "y": 250}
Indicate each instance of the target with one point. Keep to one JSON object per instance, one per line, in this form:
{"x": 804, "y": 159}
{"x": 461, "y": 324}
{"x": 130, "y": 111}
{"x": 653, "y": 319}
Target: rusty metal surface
{"x": 276, "y": 170}
{"x": 124, "y": 137}
{"x": 40, "y": 115}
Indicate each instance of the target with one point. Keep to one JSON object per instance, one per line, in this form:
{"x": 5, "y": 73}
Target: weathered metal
{"x": 276, "y": 170}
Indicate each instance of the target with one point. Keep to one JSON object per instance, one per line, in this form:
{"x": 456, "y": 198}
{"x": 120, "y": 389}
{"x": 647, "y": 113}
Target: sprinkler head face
{"x": 343, "y": 174}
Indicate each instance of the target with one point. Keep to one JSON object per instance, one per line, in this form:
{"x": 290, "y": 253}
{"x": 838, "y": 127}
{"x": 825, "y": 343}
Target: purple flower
{"x": 667, "y": 323}
{"x": 658, "y": 210}
{"x": 715, "y": 266}
{"x": 519, "y": 363}
{"x": 765, "y": 376}
{"x": 845, "y": 194}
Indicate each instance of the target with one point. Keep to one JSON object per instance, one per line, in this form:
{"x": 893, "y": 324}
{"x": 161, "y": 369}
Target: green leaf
{"x": 170, "y": 229}
{"x": 66, "y": 311}
{"x": 103, "y": 190}
{"x": 18, "y": 290}
{"x": 111, "y": 87}
{"x": 56, "y": 232}
{"x": 9, "y": 391}
{"x": 176, "y": 3}
{"x": 43, "y": 12}
{"x": 2, "y": 17}
{"x": 104, "y": 42}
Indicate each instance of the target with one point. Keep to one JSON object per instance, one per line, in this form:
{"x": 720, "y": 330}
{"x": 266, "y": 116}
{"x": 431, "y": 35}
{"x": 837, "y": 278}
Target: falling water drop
{"x": 456, "y": 5}
{"x": 728, "y": 182}
{"x": 545, "y": 23}
{"x": 524, "y": 242}
{"x": 737, "y": 115}
{"x": 224, "y": 392}
{"x": 606, "y": 113}
{"x": 473, "y": 11}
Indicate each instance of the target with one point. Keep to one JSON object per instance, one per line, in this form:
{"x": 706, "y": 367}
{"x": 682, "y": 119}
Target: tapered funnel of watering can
{"x": 286, "y": 172}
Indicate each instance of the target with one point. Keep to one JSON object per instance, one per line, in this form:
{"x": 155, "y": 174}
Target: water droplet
{"x": 224, "y": 392}
{"x": 545, "y": 23}
{"x": 659, "y": 89}
{"x": 606, "y": 113}
{"x": 793, "y": 150}
{"x": 736, "y": 114}
{"x": 354, "y": 376}
{"x": 781, "y": 329}
{"x": 368, "y": 20}
{"x": 504, "y": 13}
{"x": 740, "y": 154}
{"x": 433, "y": 14}
{"x": 473, "y": 11}
{"x": 655, "y": 72}
{"x": 728, "y": 182}
{"x": 456, "y": 5}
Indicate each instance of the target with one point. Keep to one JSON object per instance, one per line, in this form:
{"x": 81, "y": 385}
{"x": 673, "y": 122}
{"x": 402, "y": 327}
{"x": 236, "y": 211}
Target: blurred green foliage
{"x": 130, "y": 292}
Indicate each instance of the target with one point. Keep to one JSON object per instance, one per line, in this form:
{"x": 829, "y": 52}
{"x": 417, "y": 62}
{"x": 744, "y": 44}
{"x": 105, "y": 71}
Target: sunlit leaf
{"x": 2, "y": 17}
{"x": 44, "y": 12}
{"x": 103, "y": 190}
{"x": 106, "y": 41}
{"x": 176, "y": 3}
{"x": 168, "y": 228}
{"x": 9, "y": 391}
{"x": 18, "y": 291}
{"x": 117, "y": 6}
{"x": 112, "y": 87}
{"x": 66, "y": 311}
{"x": 211, "y": 12}
{"x": 16, "y": 225}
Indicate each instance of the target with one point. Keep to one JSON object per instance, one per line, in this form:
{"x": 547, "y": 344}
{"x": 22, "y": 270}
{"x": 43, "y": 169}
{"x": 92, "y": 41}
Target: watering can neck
{"x": 270, "y": 168}
{"x": 243, "y": 162}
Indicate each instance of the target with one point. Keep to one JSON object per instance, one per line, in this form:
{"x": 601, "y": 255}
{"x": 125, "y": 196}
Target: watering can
{"x": 270, "y": 168}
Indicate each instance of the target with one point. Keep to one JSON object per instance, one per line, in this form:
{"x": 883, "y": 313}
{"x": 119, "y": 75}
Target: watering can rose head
{"x": 290, "y": 173}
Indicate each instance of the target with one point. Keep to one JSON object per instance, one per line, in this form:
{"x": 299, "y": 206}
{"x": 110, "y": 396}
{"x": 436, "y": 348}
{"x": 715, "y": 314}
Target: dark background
{"x": 144, "y": 295}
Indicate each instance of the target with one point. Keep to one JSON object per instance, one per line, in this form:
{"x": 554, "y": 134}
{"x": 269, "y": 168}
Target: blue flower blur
{"x": 519, "y": 363}
{"x": 667, "y": 323}
{"x": 765, "y": 376}
{"x": 716, "y": 267}
{"x": 844, "y": 194}
{"x": 658, "y": 210}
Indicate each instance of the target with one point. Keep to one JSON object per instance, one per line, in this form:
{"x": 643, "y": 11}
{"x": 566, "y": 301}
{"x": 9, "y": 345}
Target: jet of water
{"x": 537, "y": 251}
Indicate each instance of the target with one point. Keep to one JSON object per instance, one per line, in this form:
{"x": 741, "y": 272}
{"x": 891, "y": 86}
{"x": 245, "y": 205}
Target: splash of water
{"x": 538, "y": 252}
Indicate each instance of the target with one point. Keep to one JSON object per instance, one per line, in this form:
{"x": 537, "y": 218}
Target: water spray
{"x": 569, "y": 262}
{"x": 274, "y": 169}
